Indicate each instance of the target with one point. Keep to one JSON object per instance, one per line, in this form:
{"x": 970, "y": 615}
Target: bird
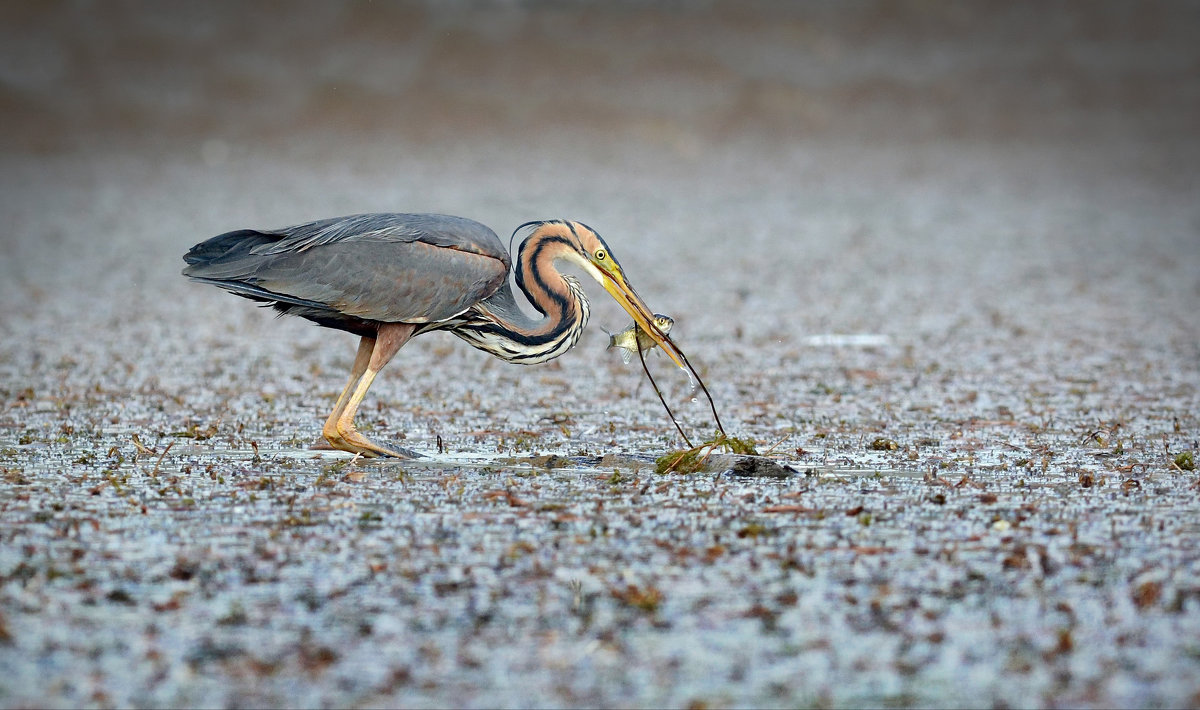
{"x": 387, "y": 277}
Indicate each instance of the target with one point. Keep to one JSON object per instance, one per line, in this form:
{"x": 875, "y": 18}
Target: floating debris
{"x": 747, "y": 466}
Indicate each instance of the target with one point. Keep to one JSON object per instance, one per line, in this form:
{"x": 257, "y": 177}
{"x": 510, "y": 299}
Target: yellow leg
{"x": 361, "y": 360}
{"x": 373, "y": 354}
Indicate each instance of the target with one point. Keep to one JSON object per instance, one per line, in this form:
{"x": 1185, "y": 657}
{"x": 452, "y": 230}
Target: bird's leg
{"x": 361, "y": 360}
{"x": 387, "y": 342}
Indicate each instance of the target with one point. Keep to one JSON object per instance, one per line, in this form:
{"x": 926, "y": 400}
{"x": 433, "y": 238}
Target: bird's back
{"x": 347, "y": 271}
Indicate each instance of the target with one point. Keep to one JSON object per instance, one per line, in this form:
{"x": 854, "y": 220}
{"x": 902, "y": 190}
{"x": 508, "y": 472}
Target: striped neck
{"x": 500, "y": 327}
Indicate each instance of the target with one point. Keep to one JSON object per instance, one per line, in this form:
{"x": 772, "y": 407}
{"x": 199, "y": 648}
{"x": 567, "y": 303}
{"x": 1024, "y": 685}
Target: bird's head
{"x": 579, "y": 244}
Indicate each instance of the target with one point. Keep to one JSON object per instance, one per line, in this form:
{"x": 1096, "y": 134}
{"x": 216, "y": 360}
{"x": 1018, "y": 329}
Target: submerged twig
{"x": 154, "y": 473}
{"x": 777, "y": 443}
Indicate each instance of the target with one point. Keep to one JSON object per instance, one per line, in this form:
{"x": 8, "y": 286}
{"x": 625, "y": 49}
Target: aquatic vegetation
{"x": 693, "y": 459}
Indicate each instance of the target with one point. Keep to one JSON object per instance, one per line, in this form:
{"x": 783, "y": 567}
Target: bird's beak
{"x": 613, "y": 281}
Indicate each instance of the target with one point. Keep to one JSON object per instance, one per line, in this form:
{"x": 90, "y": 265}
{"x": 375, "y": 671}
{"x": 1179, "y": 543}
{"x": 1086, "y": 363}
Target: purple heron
{"x": 388, "y": 277}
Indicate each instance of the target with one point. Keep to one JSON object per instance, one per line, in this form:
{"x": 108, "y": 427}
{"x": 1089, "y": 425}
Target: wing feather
{"x": 381, "y": 267}
{"x": 440, "y": 230}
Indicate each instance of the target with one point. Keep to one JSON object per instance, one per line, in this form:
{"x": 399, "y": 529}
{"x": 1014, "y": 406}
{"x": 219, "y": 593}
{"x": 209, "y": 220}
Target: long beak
{"x": 614, "y": 282}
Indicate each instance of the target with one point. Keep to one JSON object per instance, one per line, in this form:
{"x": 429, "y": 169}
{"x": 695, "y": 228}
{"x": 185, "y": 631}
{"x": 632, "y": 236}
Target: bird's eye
{"x": 600, "y": 255}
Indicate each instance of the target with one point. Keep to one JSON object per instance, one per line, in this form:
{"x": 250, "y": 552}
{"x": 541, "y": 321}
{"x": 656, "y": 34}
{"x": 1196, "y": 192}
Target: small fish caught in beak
{"x": 614, "y": 282}
{"x": 634, "y": 339}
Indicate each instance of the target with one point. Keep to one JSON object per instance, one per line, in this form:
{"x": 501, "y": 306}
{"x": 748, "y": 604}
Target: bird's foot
{"x": 398, "y": 452}
{"x": 369, "y": 449}
{"x": 354, "y": 442}
{"x": 357, "y": 443}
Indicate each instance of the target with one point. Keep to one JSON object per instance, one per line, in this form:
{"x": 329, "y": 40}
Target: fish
{"x": 634, "y": 338}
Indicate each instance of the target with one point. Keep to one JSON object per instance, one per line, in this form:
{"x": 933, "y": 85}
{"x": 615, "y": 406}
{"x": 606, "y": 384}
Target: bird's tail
{"x": 226, "y": 247}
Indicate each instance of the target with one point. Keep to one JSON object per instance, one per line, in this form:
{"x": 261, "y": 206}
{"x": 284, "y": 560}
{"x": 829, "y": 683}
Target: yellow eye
{"x": 600, "y": 255}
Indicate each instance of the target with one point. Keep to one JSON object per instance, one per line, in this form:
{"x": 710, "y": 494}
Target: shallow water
{"x": 870, "y": 224}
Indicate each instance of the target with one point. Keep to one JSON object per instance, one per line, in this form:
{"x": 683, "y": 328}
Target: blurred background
{"x": 684, "y": 76}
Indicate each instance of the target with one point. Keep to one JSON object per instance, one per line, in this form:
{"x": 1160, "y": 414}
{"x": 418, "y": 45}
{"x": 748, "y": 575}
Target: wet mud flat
{"x": 927, "y": 538}
{"x": 965, "y": 339}
{"x": 217, "y": 576}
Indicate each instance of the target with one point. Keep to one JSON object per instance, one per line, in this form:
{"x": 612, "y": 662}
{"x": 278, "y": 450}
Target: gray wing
{"x": 386, "y": 267}
{"x": 440, "y": 230}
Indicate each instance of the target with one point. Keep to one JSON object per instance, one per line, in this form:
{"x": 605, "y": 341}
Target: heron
{"x": 387, "y": 277}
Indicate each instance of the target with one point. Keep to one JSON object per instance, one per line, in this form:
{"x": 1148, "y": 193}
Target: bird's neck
{"x": 507, "y": 332}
